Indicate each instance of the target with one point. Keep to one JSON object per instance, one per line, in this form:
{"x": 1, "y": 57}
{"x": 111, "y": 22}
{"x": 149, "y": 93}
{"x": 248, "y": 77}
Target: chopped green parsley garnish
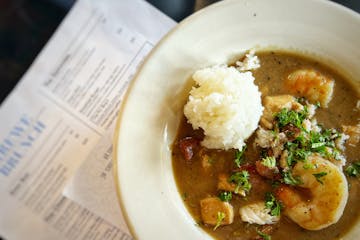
{"x": 239, "y": 156}
{"x": 269, "y": 162}
{"x": 286, "y": 116}
{"x": 225, "y": 196}
{"x": 272, "y": 204}
{"x": 319, "y": 175}
{"x": 308, "y": 165}
{"x": 241, "y": 179}
{"x": 263, "y": 235}
{"x": 322, "y": 142}
{"x": 335, "y": 154}
{"x": 290, "y": 179}
{"x": 219, "y": 218}
{"x": 318, "y": 144}
{"x": 318, "y": 141}
{"x": 301, "y": 100}
{"x": 353, "y": 170}
{"x": 301, "y": 154}
{"x": 301, "y": 139}
{"x": 296, "y": 152}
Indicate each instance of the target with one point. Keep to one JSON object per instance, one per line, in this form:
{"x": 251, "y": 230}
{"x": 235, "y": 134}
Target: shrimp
{"x": 327, "y": 199}
{"x": 312, "y": 85}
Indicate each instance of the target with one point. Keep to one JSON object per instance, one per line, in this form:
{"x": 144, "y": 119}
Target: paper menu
{"x": 93, "y": 185}
{"x": 59, "y": 111}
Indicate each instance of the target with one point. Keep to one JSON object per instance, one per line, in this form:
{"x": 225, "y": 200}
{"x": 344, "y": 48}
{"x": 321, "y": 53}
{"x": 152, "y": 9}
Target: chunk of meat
{"x": 187, "y": 147}
{"x": 266, "y": 229}
{"x": 267, "y": 172}
{"x": 338, "y": 159}
{"x": 274, "y": 104}
{"x": 271, "y": 140}
{"x": 291, "y": 132}
{"x": 258, "y": 183}
{"x": 206, "y": 162}
{"x": 248, "y": 167}
{"x": 283, "y": 160}
{"x": 341, "y": 140}
{"x": 257, "y": 213}
{"x": 265, "y": 138}
{"x": 312, "y": 85}
{"x": 306, "y": 125}
{"x": 354, "y": 134}
{"x": 210, "y": 209}
{"x": 225, "y": 185}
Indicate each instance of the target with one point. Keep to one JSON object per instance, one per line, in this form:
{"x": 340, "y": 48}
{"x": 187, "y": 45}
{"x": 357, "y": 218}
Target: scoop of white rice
{"x": 226, "y": 104}
{"x": 250, "y": 62}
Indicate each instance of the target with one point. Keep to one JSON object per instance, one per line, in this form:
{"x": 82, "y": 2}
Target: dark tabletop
{"x": 26, "y": 25}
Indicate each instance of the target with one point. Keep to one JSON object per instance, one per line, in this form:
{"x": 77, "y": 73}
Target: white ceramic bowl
{"x": 153, "y": 106}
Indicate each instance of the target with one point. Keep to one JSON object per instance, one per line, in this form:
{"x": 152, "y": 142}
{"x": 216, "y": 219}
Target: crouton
{"x": 274, "y": 104}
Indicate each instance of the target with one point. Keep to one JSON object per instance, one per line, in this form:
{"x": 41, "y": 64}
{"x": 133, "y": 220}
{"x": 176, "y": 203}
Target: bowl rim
{"x": 179, "y": 26}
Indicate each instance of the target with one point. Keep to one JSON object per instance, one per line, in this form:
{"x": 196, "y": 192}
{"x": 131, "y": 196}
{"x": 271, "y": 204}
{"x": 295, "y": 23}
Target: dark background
{"x": 26, "y": 26}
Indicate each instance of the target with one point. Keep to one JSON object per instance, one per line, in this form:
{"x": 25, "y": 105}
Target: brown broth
{"x": 195, "y": 183}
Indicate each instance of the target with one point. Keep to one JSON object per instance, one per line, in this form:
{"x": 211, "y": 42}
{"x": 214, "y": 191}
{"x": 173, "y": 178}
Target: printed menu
{"x": 61, "y": 110}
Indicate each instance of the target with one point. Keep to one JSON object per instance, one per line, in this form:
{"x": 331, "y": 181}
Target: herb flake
{"x": 353, "y": 170}
{"x": 220, "y": 216}
{"x": 239, "y": 156}
{"x": 225, "y": 196}
{"x": 272, "y": 204}
{"x": 319, "y": 175}
{"x": 263, "y": 235}
{"x": 286, "y": 116}
{"x": 290, "y": 179}
{"x": 241, "y": 179}
{"x": 269, "y": 162}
